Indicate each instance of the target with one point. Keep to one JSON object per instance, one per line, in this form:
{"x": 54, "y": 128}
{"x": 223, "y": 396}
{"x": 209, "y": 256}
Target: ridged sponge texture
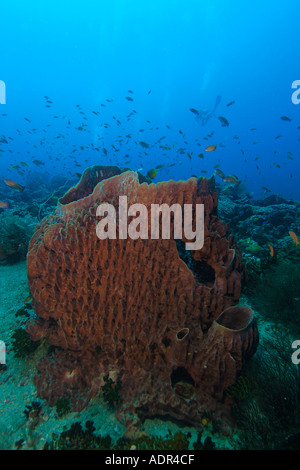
{"x": 144, "y": 311}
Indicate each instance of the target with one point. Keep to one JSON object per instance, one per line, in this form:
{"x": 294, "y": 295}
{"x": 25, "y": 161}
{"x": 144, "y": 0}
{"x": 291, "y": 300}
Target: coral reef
{"x": 269, "y": 415}
{"x": 262, "y": 221}
{"x": 15, "y": 233}
{"x": 63, "y": 406}
{"x": 277, "y": 294}
{"x": 80, "y": 437}
{"x": 111, "y": 391}
{"x": 163, "y": 322}
{"x": 270, "y": 254}
{"x": 33, "y": 409}
{"x": 241, "y": 389}
{"x": 22, "y": 345}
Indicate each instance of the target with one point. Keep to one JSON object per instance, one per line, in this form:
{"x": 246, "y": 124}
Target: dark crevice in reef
{"x": 181, "y": 375}
{"x": 182, "y": 383}
{"x": 202, "y": 271}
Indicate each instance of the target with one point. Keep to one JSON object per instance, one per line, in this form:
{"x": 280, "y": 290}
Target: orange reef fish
{"x": 4, "y": 205}
{"x": 210, "y": 148}
{"x": 294, "y": 237}
{"x": 271, "y": 249}
{"x": 14, "y": 185}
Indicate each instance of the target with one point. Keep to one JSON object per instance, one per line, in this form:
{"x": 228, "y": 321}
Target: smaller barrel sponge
{"x": 144, "y": 313}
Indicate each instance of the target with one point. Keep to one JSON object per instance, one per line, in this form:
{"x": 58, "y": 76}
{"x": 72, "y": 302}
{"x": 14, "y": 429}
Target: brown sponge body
{"x": 147, "y": 312}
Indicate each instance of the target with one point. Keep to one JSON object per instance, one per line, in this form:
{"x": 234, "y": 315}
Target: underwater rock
{"x": 138, "y": 310}
{"x": 262, "y": 222}
{"x": 281, "y": 214}
{"x": 15, "y": 233}
{"x": 273, "y": 200}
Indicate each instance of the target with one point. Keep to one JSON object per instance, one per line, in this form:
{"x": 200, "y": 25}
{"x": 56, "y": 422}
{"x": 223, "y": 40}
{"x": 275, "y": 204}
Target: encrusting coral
{"x": 133, "y": 310}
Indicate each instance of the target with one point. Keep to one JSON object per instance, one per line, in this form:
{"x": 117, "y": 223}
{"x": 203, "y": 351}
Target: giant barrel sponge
{"x": 161, "y": 319}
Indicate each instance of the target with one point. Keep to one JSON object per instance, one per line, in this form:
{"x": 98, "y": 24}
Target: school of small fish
{"x": 47, "y": 147}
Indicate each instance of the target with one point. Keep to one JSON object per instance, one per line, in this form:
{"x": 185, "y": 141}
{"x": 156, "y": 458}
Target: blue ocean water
{"x": 174, "y": 56}
{"x": 189, "y": 88}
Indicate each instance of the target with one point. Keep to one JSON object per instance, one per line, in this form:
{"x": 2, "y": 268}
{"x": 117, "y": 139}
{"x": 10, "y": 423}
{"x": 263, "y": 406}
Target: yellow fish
{"x": 28, "y": 299}
{"x": 294, "y": 237}
{"x": 210, "y": 148}
{"x": 152, "y": 173}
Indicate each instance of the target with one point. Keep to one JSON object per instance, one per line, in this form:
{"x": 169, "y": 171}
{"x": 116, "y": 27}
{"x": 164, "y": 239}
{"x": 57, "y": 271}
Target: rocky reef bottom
{"x": 265, "y": 410}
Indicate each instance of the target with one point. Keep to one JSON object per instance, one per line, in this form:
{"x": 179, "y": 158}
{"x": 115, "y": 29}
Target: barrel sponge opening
{"x": 235, "y": 318}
